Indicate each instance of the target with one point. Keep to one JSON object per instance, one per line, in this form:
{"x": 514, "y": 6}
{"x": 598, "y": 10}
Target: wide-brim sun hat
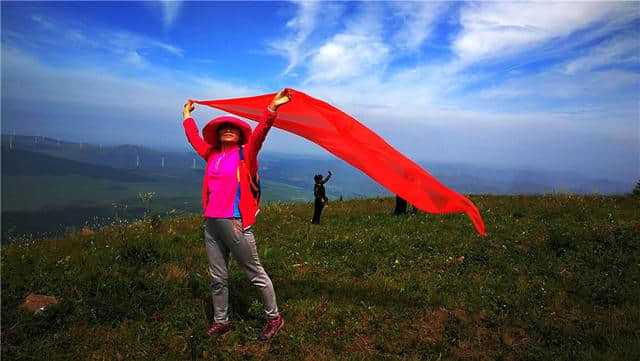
{"x": 210, "y": 131}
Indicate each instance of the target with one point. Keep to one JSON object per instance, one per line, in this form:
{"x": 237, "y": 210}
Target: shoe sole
{"x": 219, "y": 333}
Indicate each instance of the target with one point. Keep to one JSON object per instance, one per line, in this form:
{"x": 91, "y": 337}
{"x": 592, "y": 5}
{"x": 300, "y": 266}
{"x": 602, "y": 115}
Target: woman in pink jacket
{"x": 230, "y": 201}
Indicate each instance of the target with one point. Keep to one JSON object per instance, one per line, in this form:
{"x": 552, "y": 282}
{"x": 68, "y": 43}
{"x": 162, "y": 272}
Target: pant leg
{"x": 317, "y": 210}
{"x": 243, "y": 246}
{"x": 218, "y": 257}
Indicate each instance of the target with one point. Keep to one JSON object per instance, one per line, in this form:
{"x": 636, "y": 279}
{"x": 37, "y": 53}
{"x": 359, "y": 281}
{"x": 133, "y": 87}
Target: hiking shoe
{"x": 219, "y": 329}
{"x": 271, "y": 328}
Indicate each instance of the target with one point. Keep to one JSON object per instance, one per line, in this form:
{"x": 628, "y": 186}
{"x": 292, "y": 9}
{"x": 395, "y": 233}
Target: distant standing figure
{"x": 401, "y": 206}
{"x": 320, "y": 196}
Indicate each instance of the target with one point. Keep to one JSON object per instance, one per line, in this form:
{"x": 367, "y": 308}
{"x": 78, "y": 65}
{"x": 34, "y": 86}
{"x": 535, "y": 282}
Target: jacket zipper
{"x": 219, "y": 159}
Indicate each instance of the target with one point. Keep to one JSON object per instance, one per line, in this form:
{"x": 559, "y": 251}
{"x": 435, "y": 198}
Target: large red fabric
{"x": 357, "y": 145}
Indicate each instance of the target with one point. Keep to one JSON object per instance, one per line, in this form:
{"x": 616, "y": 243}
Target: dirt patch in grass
{"x": 177, "y": 344}
{"x": 173, "y": 271}
{"x": 253, "y": 348}
{"x": 460, "y": 314}
{"x": 429, "y": 329}
{"x": 477, "y": 343}
{"x": 363, "y": 344}
{"x": 514, "y": 337}
{"x": 466, "y": 350}
{"x": 302, "y": 268}
{"x": 486, "y": 343}
{"x": 315, "y": 354}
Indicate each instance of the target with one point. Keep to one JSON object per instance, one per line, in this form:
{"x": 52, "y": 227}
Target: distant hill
{"x": 49, "y": 185}
{"x": 125, "y": 156}
{"x": 17, "y": 162}
{"x": 348, "y": 182}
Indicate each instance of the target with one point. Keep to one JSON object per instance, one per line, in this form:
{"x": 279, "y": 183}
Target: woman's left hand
{"x": 188, "y": 108}
{"x": 282, "y": 97}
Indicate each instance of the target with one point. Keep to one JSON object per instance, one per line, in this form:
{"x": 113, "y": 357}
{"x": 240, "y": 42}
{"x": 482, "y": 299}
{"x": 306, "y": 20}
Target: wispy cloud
{"x": 346, "y": 56}
{"x": 498, "y": 29}
{"x": 359, "y": 49}
{"x": 355, "y": 62}
{"x": 302, "y": 25}
{"x": 417, "y": 20}
{"x": 170, "y": 11}
{"x": 135, "y": 59}
{"x": 121, "y": 41}
{"x": 81, "y": 37}
{"x": 621, "y": 50}
{"x": 44, "y": 22}
{"x": 91, "y": 103}
{"x": 578, "y": 84}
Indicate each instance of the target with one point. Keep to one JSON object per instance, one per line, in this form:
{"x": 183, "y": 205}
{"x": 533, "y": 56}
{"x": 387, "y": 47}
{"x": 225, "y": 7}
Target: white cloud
{"x": 496, "y": 29}
{"x": 417, "y": 22}
{"x": 358, "y": 50}
{"x": 167, "y": 47}
{"x": 351, "y": 68}
{"x": 155, "y": 97}
{"x": 302, "y": 26}
{"x": 347, "y": 56}
{"x": 135, "y": 59}
{"x": 91, "y": 103}
{"x": 363, "y": 32}
{"x": 170, "y": 11}
{"x": 558, "y": 84}
{"x": 121, "y": 43}
{"x": 622, "y": 50}
{"x": 44, "y": 23}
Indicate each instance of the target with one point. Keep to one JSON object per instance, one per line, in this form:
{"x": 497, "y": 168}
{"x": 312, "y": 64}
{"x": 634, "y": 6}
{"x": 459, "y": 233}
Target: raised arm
{"x": 327, "y": 178}
{"x": 264, "y": 124}
{"x": 191, "y": 130}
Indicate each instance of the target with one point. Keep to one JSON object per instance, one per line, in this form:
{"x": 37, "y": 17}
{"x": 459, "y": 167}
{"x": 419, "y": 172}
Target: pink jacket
{"x": 249, "y": 206}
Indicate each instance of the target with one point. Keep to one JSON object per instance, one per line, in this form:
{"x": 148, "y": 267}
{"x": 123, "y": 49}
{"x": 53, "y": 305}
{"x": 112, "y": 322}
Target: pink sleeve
{"x": 191, "y": 129}
{"x": 257, "y": 138}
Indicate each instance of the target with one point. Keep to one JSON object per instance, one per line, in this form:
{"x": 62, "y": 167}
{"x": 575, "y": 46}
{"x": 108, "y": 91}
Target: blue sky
{"x": 548, "y": 85}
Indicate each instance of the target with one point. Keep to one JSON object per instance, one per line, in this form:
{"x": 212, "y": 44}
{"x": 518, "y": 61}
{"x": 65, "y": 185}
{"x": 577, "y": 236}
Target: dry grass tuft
{"x": 514, "y": 337}
{"x": 253, "y": 348}
{"x": 429, "y": 329}
{"x": 362, "y": 343}
{"x": 173, "y": 271}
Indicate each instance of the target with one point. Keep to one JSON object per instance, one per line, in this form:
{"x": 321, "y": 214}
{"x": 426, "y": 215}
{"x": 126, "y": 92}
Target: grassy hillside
{"x": 37, "y": 205}
{"x": 557, "y": 279}
{"x": 44, "y": 194}
{"x": 24, "y": 163}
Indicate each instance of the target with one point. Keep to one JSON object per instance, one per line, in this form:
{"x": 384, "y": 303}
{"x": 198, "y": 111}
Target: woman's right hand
{"x": 282, "y": 97}
{"x": 188, "y": 108}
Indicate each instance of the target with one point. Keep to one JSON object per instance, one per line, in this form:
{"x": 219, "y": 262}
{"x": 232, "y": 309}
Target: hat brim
{"x": 210, "y": 131}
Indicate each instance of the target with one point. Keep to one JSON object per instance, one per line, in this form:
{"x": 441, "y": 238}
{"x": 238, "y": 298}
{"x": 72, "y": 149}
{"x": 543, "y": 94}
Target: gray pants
{"x": 222, "y": 235}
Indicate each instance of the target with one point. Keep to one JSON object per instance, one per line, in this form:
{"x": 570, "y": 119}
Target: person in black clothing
{"x": 401, "y": 206}
{"x": 320, "y": 196}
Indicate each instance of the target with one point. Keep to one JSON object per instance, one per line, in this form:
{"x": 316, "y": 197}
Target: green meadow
{"x": 556, "y": 279}
{"x": 49, "y": 204}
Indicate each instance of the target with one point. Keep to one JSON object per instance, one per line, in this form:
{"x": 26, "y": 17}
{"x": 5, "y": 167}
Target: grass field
{"x": 32, "y": 193}
{"x": 50, "y": 204}
{"x": 557, "y": 279}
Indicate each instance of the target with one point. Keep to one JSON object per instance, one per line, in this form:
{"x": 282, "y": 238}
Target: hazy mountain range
{"x": 49, "y": 185}
{"x": 298, "y": 171}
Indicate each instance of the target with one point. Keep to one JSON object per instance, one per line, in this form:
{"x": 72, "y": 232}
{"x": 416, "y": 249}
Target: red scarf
{"x": 357, "y": 145}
